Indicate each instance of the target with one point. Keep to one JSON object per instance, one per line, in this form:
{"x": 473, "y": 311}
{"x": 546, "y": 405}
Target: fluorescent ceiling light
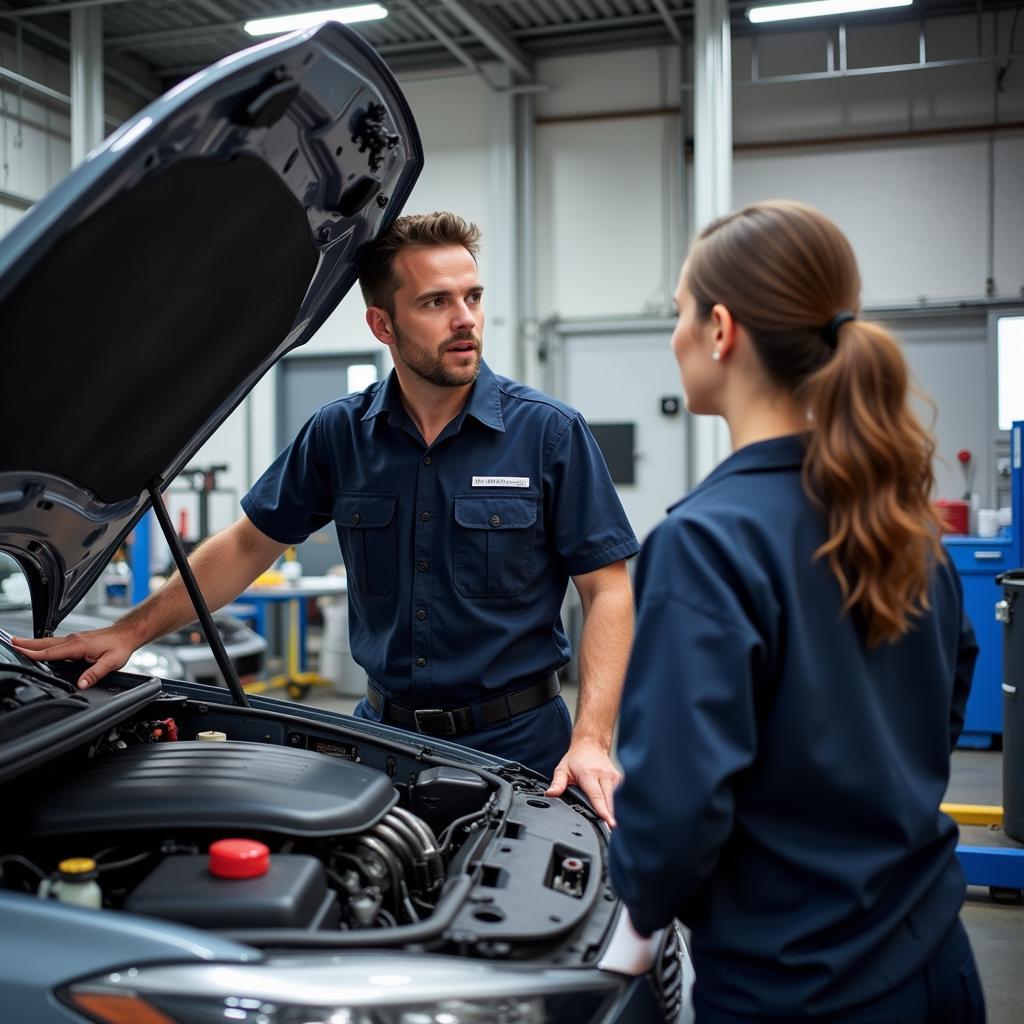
{"x": 819, "y": 9}
{"x": 306, "y": 19}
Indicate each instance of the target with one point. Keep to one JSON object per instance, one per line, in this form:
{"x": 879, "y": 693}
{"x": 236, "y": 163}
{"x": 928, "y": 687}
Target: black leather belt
{"x": 456, "y": 721}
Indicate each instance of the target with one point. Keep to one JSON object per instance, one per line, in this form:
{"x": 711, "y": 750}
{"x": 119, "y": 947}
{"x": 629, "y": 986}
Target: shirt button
{"x": 425, "y": 517}
{"x": 421, "y": 662}
{"x": 421, "y": 614}
{"x": 423, "y": 566}
{"x": 495, "y": 520}
{"x": 426, "y": 461}
{"x": 356, "y": 518}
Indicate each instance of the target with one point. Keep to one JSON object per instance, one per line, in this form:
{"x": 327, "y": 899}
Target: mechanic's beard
{"x": 431, "y": 367}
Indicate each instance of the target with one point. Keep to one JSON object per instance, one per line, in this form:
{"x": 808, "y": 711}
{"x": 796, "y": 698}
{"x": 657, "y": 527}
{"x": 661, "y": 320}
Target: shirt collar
{"x": 387, "y": 399}
{"x": 785, "y": 452}
{"x": 484, "y": 401}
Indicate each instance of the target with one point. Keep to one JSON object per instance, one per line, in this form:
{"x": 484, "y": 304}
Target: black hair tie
{"x": 830, "y": 332}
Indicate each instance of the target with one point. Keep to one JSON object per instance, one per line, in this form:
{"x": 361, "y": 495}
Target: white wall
{"x": 609, "y": 216}
{"x": 916, "y": 213}
{"x": 916, "y": 210}
{"x": 35, "y": 138}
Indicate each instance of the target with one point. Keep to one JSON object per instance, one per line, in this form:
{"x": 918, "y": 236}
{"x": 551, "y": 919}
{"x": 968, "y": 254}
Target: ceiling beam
{"x": 59, "y": 6}
{"x": 458, "y": 51}
{"x": 670, "y": 24}
{"x": 169, "y": 36}
{"x": 495, "y": 38}
{"x": 15, "y": 199}
{"x": 477, "y": 35}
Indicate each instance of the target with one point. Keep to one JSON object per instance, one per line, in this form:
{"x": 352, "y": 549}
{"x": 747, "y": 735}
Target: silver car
{"x": 183, "y": 654}
{"x": 175, "y": 853}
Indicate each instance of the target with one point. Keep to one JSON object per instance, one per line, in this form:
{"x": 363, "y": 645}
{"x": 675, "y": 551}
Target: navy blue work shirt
{"x": 458, "y": 554}
{"x": 781, "y": 780}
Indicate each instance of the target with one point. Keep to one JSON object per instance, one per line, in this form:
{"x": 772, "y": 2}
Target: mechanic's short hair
{"x": 377, "y": 279}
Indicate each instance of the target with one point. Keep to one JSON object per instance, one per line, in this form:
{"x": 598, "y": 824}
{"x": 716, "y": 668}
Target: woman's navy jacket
{"x": 782, "y": 780}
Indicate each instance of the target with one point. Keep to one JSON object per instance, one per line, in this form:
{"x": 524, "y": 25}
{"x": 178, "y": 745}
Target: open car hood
{"x": 212, "y": 233}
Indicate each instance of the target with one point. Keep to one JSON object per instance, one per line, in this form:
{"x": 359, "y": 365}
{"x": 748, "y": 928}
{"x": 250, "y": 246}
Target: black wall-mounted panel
{"x": 618, "y": 445}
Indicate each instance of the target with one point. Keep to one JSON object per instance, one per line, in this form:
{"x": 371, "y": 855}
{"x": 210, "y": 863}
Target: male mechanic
{"x": 463, "y": 502}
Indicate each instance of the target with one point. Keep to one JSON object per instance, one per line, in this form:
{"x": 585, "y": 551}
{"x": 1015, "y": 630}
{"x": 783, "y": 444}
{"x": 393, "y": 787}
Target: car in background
{"x": 183, "y": 654}
{"x": 177, "y": 853}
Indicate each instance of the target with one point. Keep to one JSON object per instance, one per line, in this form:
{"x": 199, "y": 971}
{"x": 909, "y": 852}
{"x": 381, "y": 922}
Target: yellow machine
{"x": 974, "y": 814}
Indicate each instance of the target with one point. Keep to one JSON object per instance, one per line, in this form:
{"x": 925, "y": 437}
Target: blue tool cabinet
{"x": 979, "y": 560}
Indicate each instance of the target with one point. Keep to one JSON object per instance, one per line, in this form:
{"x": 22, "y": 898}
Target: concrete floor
{"x": 996, "y": 930}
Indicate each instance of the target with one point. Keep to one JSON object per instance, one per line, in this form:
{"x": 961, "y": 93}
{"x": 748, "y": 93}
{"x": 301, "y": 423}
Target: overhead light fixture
{"x": 306, "y": 19}
{"x": 819, "y": 9}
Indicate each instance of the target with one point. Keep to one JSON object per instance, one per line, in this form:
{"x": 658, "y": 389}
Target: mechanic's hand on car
{"x": 587, "y": 765}
{"x": 107, "y": 649}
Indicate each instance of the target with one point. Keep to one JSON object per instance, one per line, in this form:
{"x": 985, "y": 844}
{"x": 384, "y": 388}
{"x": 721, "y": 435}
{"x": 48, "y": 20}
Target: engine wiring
{"x": 448, "y": 834}
{"x": 24, "y": 862}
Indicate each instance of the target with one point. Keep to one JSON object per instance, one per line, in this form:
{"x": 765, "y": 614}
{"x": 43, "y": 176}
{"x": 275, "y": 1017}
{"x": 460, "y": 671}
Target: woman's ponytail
{"x": 869, "y": 463}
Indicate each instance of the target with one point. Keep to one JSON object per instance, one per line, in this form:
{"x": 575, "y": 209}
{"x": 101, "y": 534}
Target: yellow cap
{"x": 76, "y": 866}
{"x": 211, "y": 734}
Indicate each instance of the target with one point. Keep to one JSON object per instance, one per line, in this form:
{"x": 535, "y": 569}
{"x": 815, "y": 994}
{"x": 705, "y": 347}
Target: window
{"x": 1010, "y": 370}
{"x": 360, "y": 375}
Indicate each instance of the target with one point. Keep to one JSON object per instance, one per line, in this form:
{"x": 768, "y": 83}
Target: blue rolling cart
{"x": 979, "y": 560}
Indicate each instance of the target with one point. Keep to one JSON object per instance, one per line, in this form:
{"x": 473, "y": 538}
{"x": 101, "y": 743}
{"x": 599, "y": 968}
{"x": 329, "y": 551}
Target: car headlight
{"x": 354, "y": 989}
{"x": 155, "y": 663}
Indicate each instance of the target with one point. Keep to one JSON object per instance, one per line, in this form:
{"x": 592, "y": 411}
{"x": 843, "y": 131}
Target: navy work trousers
{"x": 946, "y": 990}
{"x": 537, "y": 738}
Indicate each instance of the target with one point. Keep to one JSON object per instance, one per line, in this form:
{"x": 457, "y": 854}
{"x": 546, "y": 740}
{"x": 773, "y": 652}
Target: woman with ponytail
{"x": 801, "y": 661}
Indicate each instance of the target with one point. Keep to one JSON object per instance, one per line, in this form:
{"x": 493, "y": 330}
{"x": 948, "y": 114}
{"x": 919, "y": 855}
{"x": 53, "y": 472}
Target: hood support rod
{"x": 196, "y": 596}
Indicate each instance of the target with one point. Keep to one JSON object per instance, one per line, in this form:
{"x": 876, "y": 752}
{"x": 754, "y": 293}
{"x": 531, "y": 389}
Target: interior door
{"x": 629, "y": 379}
{"x": 304, "y": 384}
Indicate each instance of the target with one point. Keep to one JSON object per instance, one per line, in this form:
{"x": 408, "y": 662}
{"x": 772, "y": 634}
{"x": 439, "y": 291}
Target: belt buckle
{"x": 423, "y": 724}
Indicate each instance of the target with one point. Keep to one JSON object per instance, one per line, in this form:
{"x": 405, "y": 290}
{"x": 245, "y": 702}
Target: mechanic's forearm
{"x": 604, "y": 652}
{"x": 224, "y": 565}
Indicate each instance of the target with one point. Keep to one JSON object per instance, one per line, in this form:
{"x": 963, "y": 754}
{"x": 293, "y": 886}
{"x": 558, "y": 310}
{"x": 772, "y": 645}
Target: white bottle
{"x": 291, "y": 571}
{"x": 76, "y": 886}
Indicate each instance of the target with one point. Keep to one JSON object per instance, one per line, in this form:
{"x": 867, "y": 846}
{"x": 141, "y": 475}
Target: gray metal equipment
{"x": 1012, "y": 615}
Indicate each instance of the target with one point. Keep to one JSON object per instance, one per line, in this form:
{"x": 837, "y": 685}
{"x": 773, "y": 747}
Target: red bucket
{"x": 954, "y": 514}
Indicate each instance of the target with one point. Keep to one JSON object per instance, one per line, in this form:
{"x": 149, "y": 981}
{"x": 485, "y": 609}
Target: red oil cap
{"x": 239, "y": 858}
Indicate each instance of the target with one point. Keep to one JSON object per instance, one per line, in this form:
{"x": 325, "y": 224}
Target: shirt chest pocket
{"x": 369, "y": 540}
{"x": 495, "y": 545}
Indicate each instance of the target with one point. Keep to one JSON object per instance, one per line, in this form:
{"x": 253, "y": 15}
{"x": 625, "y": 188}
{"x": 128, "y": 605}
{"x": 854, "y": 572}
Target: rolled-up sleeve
{"x": 687, "y": 728}
{"x": 292, "y": 499}
{"x": 588, "y": 526}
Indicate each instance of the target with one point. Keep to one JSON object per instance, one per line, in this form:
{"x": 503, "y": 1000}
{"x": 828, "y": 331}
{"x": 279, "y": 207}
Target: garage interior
{"x": 590, "y": 140}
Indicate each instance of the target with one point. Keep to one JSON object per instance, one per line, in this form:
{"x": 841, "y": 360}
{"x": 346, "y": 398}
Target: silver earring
{"x": 716, "y": 355}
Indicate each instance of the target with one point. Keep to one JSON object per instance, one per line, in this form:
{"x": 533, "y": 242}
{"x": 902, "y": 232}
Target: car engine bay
{"x": 370, "y": 837}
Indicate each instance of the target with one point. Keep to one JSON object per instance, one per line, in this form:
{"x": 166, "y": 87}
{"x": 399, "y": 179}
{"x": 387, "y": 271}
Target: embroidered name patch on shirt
{"x": 501, "y": 481}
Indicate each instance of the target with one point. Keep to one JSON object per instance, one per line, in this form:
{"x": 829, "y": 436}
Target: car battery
{"x": 291, "y": 893}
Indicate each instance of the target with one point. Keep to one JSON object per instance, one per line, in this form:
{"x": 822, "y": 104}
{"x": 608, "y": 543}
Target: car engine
{"x": 288, "y": 830}
{"x": 341, "y": 852}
